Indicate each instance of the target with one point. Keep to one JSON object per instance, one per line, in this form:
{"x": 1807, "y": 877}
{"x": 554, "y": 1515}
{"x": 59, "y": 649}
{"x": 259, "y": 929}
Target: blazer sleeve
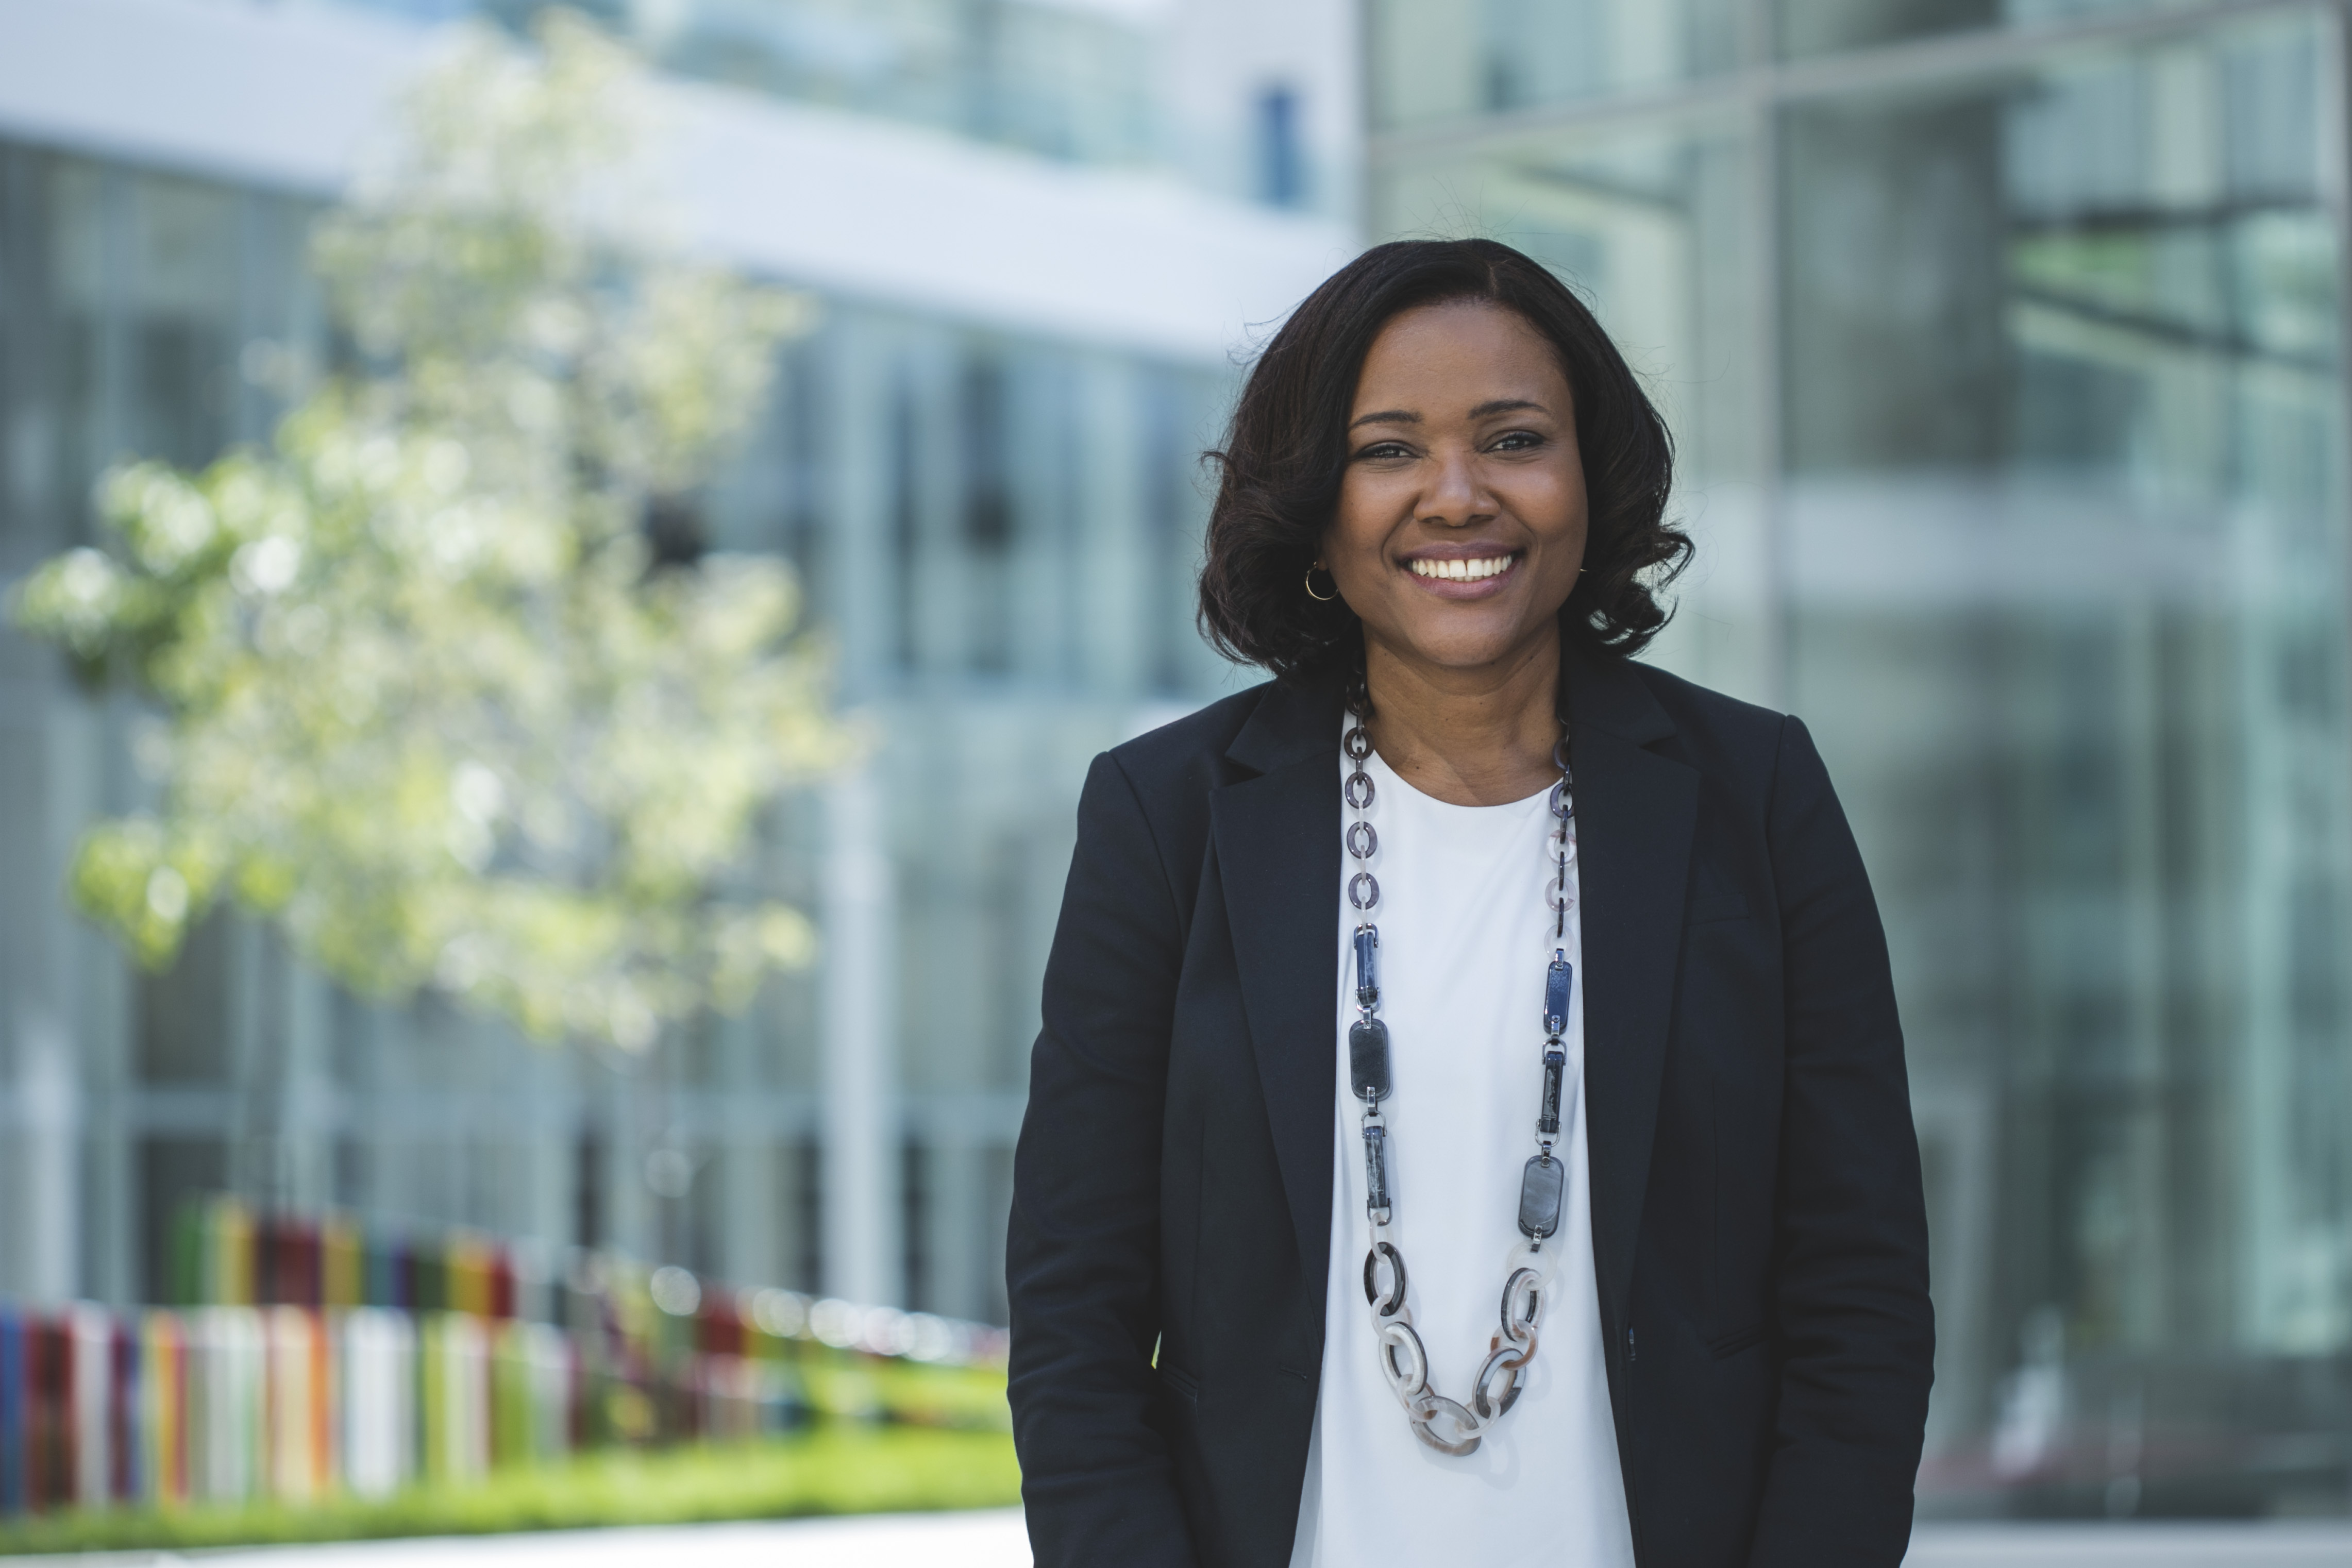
{"x": 1082, "y": 1251}
{"x": 1857, "y": 1333}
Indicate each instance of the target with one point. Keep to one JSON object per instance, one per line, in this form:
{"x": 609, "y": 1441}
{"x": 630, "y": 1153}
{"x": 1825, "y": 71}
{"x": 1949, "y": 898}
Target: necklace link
{"x": 1436, "y": 1420}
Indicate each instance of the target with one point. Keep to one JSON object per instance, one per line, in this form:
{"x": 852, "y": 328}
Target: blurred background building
{"x": 1039, "y": 231}
{"x": 2003, "y": 339}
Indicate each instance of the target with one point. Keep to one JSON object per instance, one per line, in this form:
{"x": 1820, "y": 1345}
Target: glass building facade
{"x": 997, "y": 531}
{"x": 2004, "y": 345}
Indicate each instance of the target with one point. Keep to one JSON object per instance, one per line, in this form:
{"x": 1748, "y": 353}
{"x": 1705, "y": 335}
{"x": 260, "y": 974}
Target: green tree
{"x": 429, "y": 698}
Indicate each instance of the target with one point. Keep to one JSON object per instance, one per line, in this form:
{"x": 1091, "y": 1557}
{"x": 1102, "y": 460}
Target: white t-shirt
{"x": 1464, "y": 939}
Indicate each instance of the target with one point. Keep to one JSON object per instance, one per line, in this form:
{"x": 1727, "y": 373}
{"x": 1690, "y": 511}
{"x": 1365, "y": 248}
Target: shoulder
{"x": 1149, "y": 796}
{"x": 1170, "y": 771}
{"x": 1199, "y": 739}
{"x": 1740, "y": 747}
{"x": 1710, "y": 717}
{"x": 1757, "y": 752}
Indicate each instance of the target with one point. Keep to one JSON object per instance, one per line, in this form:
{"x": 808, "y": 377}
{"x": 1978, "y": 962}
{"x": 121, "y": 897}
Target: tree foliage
{"x": 429, "y": 698}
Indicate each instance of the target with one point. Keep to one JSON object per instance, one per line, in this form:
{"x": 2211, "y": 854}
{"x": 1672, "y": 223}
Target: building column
{"x": 863, "y": 1261}
{"x": 46, "y": 1265}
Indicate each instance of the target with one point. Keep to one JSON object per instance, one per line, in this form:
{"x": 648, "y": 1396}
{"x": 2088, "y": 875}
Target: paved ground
{"x": 2133, "y": 1546}
{"x": 992, "y": 1540}
{"x": 995, "y": 1541}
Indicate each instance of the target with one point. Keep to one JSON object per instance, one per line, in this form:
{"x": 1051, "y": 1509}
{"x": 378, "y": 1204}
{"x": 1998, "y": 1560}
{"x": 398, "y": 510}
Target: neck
{"x": 1478, "y": 737}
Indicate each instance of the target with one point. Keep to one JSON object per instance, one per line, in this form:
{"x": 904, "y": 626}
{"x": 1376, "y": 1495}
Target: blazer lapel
{"x": 1277, "y": 843}
{"x": 1636, "y": 813}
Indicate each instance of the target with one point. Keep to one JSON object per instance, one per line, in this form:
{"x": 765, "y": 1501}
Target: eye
{"x": 1517, "y": 440}
{"x": 1383, "y": 451}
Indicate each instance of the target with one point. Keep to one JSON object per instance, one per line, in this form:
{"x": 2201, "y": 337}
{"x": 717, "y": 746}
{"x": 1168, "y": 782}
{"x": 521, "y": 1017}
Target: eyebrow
{"x": 1406, "y": 416}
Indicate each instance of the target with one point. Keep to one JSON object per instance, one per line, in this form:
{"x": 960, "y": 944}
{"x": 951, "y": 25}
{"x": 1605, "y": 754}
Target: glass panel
{"x": 2064, "y": 419}
{"x": 81, "y": 207}
{"x": 185, "y": 1027}
{"x": 1653, "y": 226}
{"x": 183, "y": 271}
{"x": 34, "y": 328}
{"x": 126, "y": 304}
{"x": 1823, "y": 27}
{"x": 1061, "y": 81}
{"x": 1434, "y": 60}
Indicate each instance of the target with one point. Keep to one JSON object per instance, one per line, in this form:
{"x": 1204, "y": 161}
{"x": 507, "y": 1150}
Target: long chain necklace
{"x": 1440, "y": 1422}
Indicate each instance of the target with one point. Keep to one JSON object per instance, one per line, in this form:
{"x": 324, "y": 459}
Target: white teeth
{"x": 1461, "y": 570}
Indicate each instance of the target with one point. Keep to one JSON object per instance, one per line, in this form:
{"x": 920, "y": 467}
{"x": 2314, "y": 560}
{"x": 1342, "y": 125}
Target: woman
{"x": 1469, "y": 1124}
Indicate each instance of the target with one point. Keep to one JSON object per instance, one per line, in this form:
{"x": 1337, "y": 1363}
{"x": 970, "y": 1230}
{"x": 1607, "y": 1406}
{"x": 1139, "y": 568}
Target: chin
{"x": 1463, "y": 648}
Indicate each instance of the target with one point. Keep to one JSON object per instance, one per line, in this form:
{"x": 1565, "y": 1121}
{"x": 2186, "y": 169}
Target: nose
{"x": 1455, "y": 498}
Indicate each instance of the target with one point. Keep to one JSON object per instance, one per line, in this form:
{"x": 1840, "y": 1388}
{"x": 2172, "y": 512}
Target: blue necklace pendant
{"x": 1543, "y": 1186}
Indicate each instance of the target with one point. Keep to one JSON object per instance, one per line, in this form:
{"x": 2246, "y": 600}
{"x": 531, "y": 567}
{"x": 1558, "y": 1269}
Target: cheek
{"x": 1359, "y": 520}
{"x": 1556, "y": 504}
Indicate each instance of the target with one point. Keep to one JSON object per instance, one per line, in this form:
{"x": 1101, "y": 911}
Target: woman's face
{"x": 1461, "y": 521}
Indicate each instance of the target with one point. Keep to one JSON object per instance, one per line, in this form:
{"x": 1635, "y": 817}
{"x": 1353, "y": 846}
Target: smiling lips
{"x": 1458, "y": 570}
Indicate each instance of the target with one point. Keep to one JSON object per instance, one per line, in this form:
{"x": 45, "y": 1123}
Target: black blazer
{"x": 1758, "y": 1231}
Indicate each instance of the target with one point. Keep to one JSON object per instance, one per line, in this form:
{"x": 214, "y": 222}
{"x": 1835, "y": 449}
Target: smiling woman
{"x": 1302, "y": 428}
{"x": 1667, "y": 1301}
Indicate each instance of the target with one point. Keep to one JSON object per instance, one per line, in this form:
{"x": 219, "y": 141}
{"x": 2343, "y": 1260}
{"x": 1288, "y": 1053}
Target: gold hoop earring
{"x": 1321, "y": 598}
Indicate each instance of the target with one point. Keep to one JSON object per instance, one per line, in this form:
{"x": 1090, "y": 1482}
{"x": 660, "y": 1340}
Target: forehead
{"x": 1462, "y": 347}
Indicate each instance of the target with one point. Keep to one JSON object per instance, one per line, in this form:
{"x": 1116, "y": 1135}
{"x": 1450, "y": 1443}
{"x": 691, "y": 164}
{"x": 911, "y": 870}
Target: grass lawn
{"x": 836, "y": 1469}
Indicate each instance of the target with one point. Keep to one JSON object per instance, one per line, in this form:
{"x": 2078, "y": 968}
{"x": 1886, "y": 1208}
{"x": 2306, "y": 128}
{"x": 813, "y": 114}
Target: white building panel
{"x": 290, "y": 96}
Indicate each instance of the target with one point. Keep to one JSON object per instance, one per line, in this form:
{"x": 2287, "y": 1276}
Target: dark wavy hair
{"x": 1286, "y": 450}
